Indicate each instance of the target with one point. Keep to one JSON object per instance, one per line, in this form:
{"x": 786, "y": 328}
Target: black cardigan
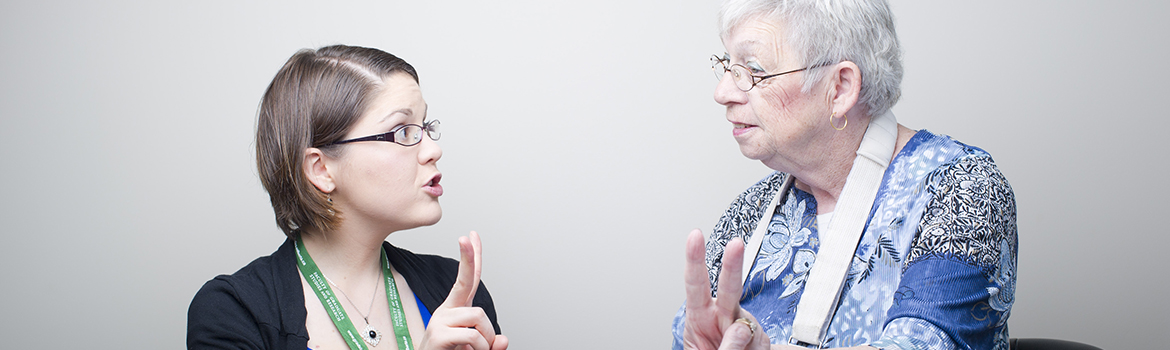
{"x": 262, "y": 306}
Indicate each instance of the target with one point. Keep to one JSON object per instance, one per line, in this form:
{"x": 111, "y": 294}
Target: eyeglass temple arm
{"x": 379, "y": 137}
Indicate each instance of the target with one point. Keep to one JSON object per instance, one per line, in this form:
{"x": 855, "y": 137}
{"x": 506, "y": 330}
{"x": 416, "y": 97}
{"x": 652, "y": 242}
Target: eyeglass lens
{"x": 434, "y": 129}
{"x": 739, "y": 74}
{"x": 718, "y": 67}
{"x": 411, "y": 134}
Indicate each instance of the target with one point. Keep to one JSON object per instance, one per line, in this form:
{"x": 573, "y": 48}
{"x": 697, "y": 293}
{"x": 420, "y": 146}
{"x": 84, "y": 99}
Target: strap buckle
{"x": 794, "y": 341}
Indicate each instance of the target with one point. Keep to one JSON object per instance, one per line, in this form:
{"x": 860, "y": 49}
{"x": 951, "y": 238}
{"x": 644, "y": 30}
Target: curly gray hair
{"x": 831, "y": 31}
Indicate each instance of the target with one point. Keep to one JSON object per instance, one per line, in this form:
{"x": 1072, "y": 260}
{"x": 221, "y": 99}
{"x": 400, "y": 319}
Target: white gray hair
{"x": 826, "y": 32}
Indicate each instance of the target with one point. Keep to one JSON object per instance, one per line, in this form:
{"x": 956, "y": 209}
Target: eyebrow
{"x": 747, "y": 46}
{"x": 405, "y": 111}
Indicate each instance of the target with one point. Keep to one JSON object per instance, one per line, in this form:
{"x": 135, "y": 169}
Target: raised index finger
{"x": 466, "y": 281}
{"x": 477, "y": 253}
{"x": 698, "y": 285}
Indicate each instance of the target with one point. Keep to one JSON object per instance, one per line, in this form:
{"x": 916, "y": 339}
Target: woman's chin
{"x": 434, "y": 217}
{"x": 420, "y": 217}
{"x": 752, "y": 152}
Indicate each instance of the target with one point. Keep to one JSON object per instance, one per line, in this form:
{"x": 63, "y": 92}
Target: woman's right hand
{"x": 708, "y": 319}
{"x": 456, "y": 324}
{"x": 719, "y": 323}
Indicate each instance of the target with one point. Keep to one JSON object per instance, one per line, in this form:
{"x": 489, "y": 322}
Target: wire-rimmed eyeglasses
{"x": 742, "y": 76}
{"x": 406, "y": 135}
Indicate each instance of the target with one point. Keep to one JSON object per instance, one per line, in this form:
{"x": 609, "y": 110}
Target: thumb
{"x": 736, "y": 337}
{"x": 501, "y": 342}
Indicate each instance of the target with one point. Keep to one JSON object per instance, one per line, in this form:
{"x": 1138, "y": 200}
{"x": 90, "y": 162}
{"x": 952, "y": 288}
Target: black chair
{"x": 1047, "y": 344}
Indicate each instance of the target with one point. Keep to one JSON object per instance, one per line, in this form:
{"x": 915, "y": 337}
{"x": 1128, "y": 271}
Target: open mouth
{"x": 433, "y": 187}
{"x": 740, "y": 128}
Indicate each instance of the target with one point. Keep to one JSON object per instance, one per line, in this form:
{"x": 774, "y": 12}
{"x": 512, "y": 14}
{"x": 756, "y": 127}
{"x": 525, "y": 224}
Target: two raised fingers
{"x": 698, "y": 286}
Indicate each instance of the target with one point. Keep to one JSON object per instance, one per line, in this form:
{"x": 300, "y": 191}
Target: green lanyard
{"x": 336, "y": 312}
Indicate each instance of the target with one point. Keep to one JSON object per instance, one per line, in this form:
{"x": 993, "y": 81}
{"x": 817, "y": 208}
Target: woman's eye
{"x": 754, "y": 67}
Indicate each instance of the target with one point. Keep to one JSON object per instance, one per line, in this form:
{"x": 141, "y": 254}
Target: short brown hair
{"x": 313, "y": 101}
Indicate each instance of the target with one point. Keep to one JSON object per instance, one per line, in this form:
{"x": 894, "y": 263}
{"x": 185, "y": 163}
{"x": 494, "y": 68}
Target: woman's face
{"x": 383, "y": 184}
{"x": 774, "y": 122}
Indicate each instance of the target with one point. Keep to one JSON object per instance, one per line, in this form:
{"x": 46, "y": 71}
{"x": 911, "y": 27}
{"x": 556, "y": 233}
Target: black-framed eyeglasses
{"x": 406, "y": 135}
{"x": 742, "y": 76}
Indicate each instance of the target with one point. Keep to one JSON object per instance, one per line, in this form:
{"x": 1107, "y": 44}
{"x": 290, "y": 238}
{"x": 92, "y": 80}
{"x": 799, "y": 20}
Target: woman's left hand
{"x": 456, "y": 324}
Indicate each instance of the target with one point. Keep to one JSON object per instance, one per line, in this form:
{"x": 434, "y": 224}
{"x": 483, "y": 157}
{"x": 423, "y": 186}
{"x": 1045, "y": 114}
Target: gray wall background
{"x": 580, "y": 139}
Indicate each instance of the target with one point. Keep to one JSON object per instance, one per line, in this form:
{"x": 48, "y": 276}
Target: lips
{"x": 433, "y": 187}
{"x": 740, "y": 128}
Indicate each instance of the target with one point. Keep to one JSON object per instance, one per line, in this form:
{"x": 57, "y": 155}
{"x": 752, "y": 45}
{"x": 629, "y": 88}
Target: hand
{"x": 456, "y": 324}
{"x": 709, "y": 319}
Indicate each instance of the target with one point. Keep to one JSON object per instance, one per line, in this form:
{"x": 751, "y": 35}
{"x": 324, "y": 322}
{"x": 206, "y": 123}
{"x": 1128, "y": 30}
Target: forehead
{"x": 398, "y": 94}
{"x": 754, "y": 37}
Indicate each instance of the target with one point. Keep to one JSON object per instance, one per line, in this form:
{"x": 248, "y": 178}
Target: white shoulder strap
{"x": 840, "y": 237}
{"x": 752, "y": 249}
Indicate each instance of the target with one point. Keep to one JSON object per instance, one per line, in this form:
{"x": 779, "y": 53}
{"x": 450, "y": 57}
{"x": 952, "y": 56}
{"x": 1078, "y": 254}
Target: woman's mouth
{"x": 433, "y": 187}
{"x": 740, "y": 128}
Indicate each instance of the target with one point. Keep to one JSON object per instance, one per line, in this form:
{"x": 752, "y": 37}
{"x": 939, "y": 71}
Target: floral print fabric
{"x": 935, "y": 267}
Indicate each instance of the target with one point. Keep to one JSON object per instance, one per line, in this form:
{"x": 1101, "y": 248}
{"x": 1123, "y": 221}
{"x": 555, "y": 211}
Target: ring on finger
{"x": 751, "y": 325}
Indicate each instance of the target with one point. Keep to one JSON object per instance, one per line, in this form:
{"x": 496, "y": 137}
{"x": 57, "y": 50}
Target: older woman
{"x": 869, "y": 234}
{"x": 348, "y": 156}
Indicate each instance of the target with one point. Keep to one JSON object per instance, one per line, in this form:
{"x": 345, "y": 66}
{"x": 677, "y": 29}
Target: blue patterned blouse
{"x": 935, "y": 268}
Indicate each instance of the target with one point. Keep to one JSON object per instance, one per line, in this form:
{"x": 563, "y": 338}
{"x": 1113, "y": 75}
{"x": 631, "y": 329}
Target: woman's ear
{"x": 845, "y": 78}
{"x": 317, "y": 170}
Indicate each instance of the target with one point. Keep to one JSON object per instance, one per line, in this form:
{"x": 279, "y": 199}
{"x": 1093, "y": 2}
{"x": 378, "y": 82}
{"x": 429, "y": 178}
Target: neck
{"x": 823, "y": 170}
{"x": 826, "y": 180}
{"x": 349, "y": 259}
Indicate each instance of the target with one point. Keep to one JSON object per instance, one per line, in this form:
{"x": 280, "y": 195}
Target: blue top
{"x": 422, "y": 310}
{"x": 935, "y": 267}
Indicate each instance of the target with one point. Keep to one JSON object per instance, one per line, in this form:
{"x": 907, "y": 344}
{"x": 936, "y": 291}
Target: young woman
{"x": 348, "y": 156}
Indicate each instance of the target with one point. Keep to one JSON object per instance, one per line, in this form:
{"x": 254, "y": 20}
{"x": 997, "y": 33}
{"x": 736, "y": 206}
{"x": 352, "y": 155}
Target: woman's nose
{"x": 429, "y": 151}
{"x": 726, "y": 93}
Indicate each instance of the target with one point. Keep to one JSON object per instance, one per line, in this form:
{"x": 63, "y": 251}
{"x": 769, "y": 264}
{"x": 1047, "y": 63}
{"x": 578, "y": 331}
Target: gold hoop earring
{"x": 835, "y": 125}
